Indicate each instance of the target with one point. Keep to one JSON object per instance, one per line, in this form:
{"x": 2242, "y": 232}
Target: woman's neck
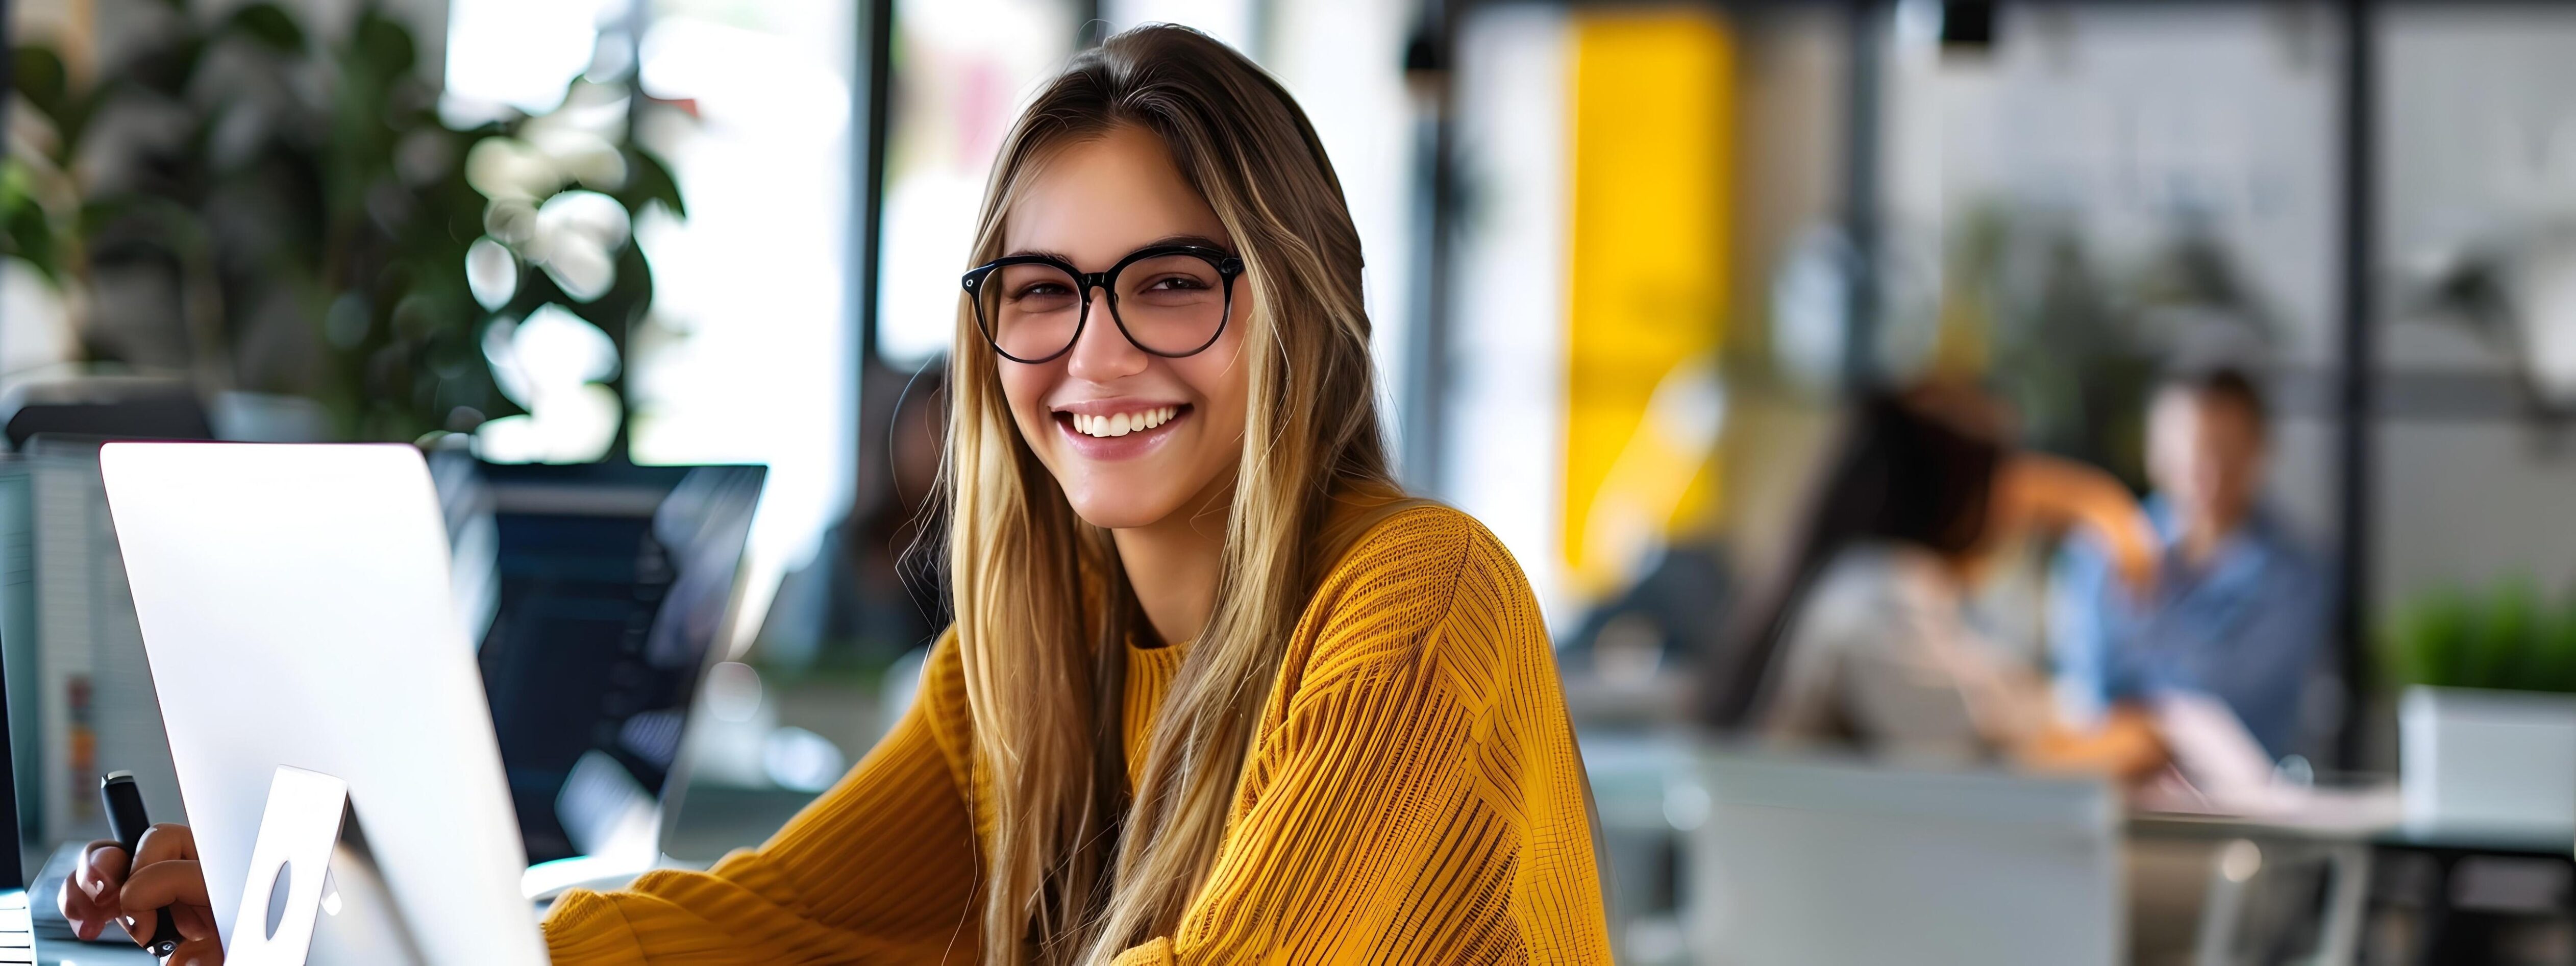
{"x": 1172, "y": 565}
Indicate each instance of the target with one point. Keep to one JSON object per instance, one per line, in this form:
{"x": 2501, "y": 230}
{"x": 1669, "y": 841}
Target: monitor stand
{"x": 313, "y": 894}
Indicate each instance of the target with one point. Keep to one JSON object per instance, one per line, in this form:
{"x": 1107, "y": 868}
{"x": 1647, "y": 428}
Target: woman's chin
{"x": 1117, "y": 510}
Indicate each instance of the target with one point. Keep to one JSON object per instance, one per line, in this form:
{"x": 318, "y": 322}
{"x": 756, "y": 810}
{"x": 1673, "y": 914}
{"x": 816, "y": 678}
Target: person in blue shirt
{"x": 2238, "y": 607}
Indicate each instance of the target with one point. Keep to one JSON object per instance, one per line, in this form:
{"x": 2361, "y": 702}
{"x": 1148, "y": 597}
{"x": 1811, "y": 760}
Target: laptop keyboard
{"x": 19, "y": 943}
{"x": 17, "y": 928}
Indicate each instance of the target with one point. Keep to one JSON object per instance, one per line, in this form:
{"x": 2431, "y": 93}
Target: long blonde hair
{"x": 1073, "y": 872}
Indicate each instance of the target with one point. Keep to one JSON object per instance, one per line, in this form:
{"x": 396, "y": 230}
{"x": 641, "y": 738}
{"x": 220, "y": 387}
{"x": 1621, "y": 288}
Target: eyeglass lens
{"x": 1168, "y": 304}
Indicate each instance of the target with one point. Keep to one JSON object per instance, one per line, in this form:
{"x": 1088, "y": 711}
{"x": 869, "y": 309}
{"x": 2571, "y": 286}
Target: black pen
{"x": 127, "y": 821}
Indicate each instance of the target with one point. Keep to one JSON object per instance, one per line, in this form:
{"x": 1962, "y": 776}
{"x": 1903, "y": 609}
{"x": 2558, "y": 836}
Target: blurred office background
{"x": 1630, "y": 266}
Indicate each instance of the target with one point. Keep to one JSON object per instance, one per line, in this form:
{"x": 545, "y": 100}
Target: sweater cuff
{"x": 1155, "y": 952}
{"x": 587, "y": 927}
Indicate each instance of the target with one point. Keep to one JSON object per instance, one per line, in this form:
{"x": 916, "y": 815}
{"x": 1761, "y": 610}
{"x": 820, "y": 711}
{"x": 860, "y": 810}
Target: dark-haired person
{"x": 1216, "y": 690}
{"x": 2238, "y": 608}
{"x": 1866, "y": 639}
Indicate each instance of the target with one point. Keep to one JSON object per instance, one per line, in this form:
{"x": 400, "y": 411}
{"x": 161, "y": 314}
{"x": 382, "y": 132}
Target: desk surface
{"x": 1637, "y": 777}
{"x": 2391, "y": 834}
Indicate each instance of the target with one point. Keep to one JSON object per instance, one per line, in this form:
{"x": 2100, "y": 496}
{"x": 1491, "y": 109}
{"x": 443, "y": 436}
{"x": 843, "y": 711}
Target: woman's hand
{"x": 2050, "y": 491}
{"x": 106, "y": 886}
{"x": 2125, "y": 746}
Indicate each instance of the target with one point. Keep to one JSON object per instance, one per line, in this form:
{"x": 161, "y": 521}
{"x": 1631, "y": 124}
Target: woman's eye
{"x": 1176, "y": 283}
{"x": 1041, "y": 290}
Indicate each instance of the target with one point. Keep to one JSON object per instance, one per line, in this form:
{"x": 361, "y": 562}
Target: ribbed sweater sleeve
{"x": 1414, "y": 794}
{"x": 879, "y": 869}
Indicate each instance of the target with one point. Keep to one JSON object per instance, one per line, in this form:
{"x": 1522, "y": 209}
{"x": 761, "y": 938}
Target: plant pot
{"x": 2487, "y": 762}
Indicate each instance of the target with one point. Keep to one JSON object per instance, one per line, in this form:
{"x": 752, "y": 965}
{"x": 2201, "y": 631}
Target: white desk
{"x": 1656, "y": 782}
{"x": 1816, "y": 860}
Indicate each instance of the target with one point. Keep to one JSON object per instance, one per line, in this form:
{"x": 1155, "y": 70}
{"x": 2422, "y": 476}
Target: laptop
{"x": 295, "y": 606}
{"x": 597, "y": 595}
{"x": 20, "y": 939}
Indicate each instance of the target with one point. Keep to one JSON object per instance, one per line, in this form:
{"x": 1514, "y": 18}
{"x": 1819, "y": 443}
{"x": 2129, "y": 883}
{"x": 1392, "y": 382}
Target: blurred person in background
{"x": 1216, "y": 690}
{"x": 2237, "y": 608}
{"x": 894, "y": 595}
{"x": 1867, "y": 638}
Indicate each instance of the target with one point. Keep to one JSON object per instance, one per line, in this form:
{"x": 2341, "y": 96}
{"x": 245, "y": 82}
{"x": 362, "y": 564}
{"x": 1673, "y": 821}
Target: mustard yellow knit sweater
{"x": 1413, "y": 796}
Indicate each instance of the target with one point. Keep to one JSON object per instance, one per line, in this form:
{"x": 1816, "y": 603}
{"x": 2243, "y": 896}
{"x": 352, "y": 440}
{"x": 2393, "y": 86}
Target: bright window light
{"x": 1231, "y": 21}
{"x": 966, "y": 67}
{"x": 747, "y": 356}
{"x": 521, "y": 53}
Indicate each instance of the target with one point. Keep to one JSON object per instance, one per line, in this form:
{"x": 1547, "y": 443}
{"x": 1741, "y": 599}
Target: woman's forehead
{"x": 1097, "y": 199}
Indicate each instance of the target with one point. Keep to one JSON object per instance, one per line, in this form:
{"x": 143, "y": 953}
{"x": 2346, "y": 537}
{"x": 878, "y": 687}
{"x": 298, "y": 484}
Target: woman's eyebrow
{"x": 1041, "y": 253}
{"x": 1201, "y": 241}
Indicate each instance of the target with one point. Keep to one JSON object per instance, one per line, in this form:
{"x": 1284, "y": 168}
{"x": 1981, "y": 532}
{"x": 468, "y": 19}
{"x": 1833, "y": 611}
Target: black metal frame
{"x": 875, "y": 109}
{"x": 2359, "y": 386}
{"x": 1228, "y": 268}
{"x": 1864, "y": 118}
{"x": 1430, "y": 60}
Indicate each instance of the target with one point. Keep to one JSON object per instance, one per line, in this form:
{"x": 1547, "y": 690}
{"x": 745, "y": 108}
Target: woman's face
{"x": 1091, "y": 204}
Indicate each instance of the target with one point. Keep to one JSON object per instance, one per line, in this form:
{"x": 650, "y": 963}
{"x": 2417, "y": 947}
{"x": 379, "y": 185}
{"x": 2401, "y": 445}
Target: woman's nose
{"x": 1102, "y": 353}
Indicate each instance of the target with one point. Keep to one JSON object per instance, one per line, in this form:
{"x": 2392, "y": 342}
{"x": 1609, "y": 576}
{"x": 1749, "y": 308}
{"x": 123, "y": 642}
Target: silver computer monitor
{"x": 295, "y": 606}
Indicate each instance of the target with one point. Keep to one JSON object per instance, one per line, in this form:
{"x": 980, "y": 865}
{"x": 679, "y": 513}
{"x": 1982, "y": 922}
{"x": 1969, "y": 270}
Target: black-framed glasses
{"x": 1169, "y": 300}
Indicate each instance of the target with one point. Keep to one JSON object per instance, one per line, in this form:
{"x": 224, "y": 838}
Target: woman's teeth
{"x": 1121, "y": 424}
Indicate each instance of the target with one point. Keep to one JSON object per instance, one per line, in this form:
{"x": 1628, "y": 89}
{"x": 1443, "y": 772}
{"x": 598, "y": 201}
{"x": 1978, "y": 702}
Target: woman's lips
{"x": 1133, "y": 443}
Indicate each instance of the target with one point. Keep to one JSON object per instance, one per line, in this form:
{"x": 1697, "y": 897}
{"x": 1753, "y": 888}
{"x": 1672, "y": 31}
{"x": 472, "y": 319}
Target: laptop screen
{"x": 17, "y": 623}
{"x": 13, "y": 867}
{"x": 606, "y": 588}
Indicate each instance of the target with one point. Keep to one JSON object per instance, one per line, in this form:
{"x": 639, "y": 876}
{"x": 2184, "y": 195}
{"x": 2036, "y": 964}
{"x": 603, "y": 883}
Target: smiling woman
{"x": 1217, "y": 690}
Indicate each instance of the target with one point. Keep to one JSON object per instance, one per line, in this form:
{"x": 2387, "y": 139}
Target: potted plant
{"x": 2487, "y": 714}
{"x": 302, "y": 223}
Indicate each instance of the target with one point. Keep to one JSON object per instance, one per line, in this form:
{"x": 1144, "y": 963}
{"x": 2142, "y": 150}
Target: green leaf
{"x": 384, "y": 45}
{"x": 649, "y": 180}
{"x": 2551, "y": 665}
{"x": 270, "y": 25}
{"x": 2505, "y": 637}
{"x": 29, "y": 234}
{"x": 2426, "y": 640}
{"x": 39, "y": 75}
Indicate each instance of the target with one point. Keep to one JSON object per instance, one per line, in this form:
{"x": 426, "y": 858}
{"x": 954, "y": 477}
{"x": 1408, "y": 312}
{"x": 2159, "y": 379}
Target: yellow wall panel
{"x": 1652, "y": 179}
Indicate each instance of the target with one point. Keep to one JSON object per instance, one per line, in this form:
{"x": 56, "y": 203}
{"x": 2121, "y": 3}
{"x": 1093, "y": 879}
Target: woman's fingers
{"x": 163, "y": 842}
{"x": 195, "y": 922}
{"x": 90, "y": 898}
{"x": 202, "y": 951}
{"x": 165, "y": 873}
{"x": 102, "y": 868}
{"x": 139, "y": 924}
{"x": 79, "y": 910}
{"x": 178, "y": 881}
{"x": 164, "y": 864}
